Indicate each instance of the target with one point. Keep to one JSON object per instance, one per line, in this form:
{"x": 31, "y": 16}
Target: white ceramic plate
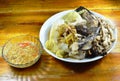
{"x": 44, "y": 33}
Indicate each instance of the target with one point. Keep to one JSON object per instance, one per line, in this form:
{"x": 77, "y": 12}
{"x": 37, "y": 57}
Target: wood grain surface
{"x": 21, "y": 17}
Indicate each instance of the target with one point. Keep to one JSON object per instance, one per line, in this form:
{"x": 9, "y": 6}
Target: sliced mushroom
{"x": 102, "y": 30}
{"x": 111, "y": 33}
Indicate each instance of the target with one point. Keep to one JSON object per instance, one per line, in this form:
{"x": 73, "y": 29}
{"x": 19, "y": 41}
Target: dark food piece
{"x": 82, "y": 30}
{"x": 89, "y": 31}
{"x": 90, "y": 34}
{"x": 82, "y": 8}
{"x": 85, "y": 31}
{"x": 92, "y": 20}
{"x": 94, "y": 52}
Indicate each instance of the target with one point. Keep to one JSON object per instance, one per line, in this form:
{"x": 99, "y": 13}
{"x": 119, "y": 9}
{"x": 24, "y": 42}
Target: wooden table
{"x": 21, "y": 17}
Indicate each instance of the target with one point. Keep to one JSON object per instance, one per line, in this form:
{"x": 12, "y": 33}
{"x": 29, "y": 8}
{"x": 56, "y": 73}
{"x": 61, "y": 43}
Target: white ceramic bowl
{"x": 44, "y": 33}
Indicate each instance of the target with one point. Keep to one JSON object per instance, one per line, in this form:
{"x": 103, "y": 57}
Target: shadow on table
{"x": 49, "y": 67}
{"x": 80, "y": 67}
